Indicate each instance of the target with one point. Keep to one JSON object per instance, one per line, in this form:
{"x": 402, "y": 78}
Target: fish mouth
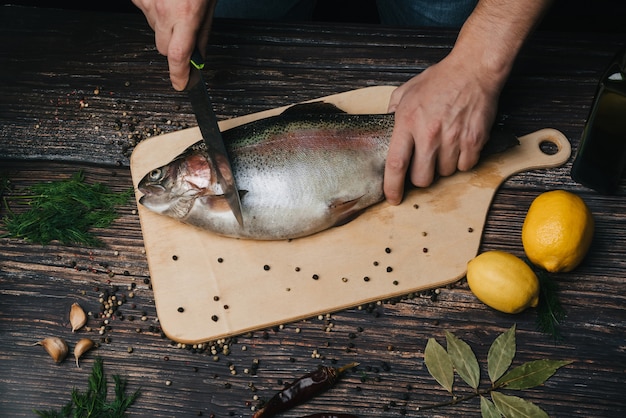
{"x": 149, "y": 191}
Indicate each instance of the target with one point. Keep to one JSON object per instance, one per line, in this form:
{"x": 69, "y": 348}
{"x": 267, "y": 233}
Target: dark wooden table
{"x": 79, "y": 89}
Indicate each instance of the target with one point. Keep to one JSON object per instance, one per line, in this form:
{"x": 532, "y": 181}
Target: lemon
{"x": 503, "y": 281}
{"x": 557, "y": 231}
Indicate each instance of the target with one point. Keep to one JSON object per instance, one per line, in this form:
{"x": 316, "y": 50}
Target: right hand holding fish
{"x": 442, "y": 120}
{"x": 178, "y": 26}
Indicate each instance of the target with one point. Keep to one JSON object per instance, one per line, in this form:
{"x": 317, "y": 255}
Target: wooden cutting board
{"x": 208, "y": 287}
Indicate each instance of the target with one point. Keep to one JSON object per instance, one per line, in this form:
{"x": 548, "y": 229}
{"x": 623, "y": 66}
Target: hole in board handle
{"x": 549, "y": 147}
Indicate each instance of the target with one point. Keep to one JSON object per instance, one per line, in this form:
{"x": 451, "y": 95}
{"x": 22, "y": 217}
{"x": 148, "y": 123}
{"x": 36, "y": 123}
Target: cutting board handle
{"x": 537, "y": 150}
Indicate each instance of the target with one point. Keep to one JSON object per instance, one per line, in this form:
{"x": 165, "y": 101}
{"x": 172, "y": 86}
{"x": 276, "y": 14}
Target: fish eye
{"x": 156, "y": 174}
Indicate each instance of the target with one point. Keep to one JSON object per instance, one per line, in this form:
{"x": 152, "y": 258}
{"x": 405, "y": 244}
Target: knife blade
{"x": 207, "y": 122}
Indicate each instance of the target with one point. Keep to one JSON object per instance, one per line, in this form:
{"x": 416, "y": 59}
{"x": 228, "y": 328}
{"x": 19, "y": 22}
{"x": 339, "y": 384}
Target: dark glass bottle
{"x": 601, "y": 157}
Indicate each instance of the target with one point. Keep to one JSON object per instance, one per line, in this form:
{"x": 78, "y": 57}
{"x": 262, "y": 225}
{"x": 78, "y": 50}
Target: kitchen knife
{"x": 207, "y": 122}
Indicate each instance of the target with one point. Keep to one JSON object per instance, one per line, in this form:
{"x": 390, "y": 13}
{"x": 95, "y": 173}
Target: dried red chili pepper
{"x": 303, "y": 389}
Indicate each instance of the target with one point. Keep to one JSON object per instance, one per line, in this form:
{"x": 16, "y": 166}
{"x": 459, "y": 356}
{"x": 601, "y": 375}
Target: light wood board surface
{"x": 208, "y": 287}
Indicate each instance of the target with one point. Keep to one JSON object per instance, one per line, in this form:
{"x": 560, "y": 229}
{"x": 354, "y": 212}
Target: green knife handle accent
{"x": 196, "y": 59}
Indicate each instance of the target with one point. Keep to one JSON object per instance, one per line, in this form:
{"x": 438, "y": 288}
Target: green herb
{"x": 64, "y": 210}
{"x": 459, "y": 357}
{"x": 4, "y": 185}
{"x": 93, "y": 403}
{"x": 550, "y": 312}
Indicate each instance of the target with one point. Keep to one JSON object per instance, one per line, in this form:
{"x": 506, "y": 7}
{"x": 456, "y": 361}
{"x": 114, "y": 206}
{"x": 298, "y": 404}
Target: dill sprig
{"x": 64, "y": 210}
{"x": 550, "y": 312}
{"x": 93, "y": 403}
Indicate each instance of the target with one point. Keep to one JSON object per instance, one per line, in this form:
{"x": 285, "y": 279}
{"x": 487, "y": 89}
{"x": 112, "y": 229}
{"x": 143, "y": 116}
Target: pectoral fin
{"x": 343, "y": 211}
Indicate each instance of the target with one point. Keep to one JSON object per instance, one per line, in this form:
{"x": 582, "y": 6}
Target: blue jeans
{"x": 266, "y": 10}
{"x": 447, "y": 13}
{"x": 442, "y": 13}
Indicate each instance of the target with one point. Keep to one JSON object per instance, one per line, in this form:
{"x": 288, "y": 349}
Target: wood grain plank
{"x": 51, "y": 60}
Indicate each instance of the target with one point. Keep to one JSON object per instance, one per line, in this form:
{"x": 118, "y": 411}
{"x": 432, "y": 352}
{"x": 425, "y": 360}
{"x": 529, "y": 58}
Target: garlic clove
{"x": 81, "y": 348}
{"x": 78, "y": 318}
{"x": 56, "y": 347}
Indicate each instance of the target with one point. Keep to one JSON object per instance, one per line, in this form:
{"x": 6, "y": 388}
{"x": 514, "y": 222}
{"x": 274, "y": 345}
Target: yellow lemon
{"x": 503, "y": 281}
{"x": 557, "y": 231}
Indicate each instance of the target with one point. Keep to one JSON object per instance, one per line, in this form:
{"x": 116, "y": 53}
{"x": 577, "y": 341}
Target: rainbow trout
{"x": 309, "y": 169}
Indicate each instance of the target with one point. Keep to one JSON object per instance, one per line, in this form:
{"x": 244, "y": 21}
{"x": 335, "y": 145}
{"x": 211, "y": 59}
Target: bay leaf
{"x": 439, "y": 364}
{"x": 463, "y": 359}
{"x": 501, "y": 354}
{"x": 530, "y": 374}
{"x": 488, "y": 409}
{"x": 513, "y": 406}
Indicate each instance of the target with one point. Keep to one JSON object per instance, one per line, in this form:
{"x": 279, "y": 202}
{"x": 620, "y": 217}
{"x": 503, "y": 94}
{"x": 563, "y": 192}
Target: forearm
{"x": 493, "y": 34}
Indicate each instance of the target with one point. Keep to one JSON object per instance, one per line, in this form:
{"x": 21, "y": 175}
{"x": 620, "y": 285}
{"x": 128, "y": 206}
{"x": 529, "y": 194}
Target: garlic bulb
{"x": 56, "y": 347}
{"x": 78, "y": 318}
{"x": 81, "y": 348}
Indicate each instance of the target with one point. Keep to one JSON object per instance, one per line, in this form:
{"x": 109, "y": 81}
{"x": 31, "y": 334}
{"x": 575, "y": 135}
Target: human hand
{"x": 442, "y": 120}
{"x": 179, "y": 25}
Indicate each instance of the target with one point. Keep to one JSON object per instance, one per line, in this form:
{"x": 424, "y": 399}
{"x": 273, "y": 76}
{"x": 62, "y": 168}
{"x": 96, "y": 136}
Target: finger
{"x": 423, "y": 168}
{"x": 162, "y": 39}
{"x": 448, "y": 154}
{"x": 394, "y": 99}
{"x": 469, "y": 153}
{"x": 398, "y": 161}
{"x": 427, "y": 145}
{"x": 178, "y": 55}
{"x": 447, "y": 160}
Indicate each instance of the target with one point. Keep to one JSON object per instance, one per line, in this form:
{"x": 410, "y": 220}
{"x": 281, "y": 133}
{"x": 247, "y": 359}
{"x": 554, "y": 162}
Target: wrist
{"x": 493, "y": 35}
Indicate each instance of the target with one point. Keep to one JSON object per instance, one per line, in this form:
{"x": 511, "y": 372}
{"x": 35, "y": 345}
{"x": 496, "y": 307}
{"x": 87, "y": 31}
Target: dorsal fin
{"x": 313, "y": 108}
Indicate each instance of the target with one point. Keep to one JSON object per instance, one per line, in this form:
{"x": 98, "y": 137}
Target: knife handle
{"x": 196, "y": 59}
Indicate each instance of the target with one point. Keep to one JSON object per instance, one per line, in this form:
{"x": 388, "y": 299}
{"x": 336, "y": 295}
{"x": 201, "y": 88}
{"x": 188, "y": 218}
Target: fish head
{"x": 173, "y": 189}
